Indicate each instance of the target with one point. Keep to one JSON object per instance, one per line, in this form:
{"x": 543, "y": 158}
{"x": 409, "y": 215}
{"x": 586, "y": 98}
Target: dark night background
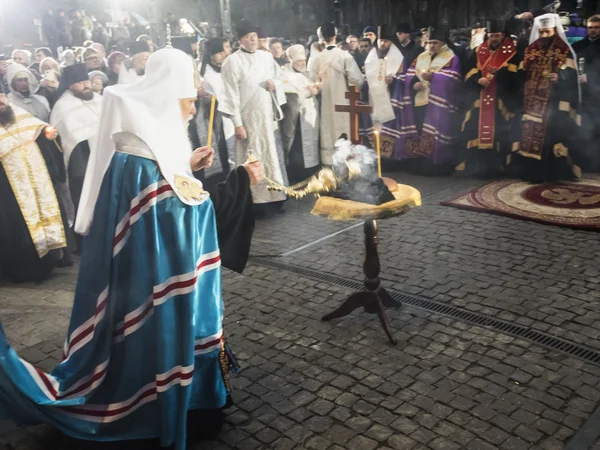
{"x": 286, "y": 18}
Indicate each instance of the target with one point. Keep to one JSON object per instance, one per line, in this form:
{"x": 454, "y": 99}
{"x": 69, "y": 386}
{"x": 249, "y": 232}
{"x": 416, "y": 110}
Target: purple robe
{"x": 440, "y": 127}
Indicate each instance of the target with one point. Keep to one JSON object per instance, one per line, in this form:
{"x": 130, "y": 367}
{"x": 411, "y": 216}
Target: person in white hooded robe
{"x": 23, "y": 86}
{"x": 300, "y": 126}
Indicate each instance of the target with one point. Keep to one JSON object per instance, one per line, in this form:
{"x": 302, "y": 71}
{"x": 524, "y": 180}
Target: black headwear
{"x": 439, "y": 34}
{"x": 496, "y": 26}
{"x": 138, "y": 47}
{"x": 211, "y": 47}
{"x": 328, "y": 31}
{"x": 183, "y": 43}
{"x": 245, "y": 27}
{"x": 403, "y": 28}
{"x": 385, "y": 33}
{"x": 74, "y": 74}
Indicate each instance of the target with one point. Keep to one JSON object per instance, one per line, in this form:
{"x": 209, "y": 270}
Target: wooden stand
{"x": 374, "y": 298}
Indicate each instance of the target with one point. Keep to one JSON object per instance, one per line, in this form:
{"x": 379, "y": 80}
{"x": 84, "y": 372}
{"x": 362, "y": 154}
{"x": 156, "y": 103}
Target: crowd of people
{"x": 516, "y": 99}
{"x": 145, "y": 345}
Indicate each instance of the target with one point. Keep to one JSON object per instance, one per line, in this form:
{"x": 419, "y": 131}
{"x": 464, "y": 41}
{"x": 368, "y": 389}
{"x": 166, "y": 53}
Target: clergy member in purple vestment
{"x": 429, "y": 119}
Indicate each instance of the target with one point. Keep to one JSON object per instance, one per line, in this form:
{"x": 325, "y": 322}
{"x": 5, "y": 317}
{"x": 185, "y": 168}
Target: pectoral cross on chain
{"x": 354, "y": 109}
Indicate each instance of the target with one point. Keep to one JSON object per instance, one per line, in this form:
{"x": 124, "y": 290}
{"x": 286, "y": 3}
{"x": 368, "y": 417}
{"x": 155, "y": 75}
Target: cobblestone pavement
{"x": 446, "y": 385}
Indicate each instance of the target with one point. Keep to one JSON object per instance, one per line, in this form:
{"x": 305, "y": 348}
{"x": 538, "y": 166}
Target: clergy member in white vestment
{"x": 335, "y": 69}
{"x": 223, "y": 138}
{"x": 253, "y": 98}
{"x": 76, "y": 116}
{"x": 381, "y": 67}
{"x": 300, "y": 126}
{"x": 134, "y": 68}
{"x": 316, "y": 49}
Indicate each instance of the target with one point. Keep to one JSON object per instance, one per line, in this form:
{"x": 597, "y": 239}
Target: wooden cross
{"x": 354, "y": 109}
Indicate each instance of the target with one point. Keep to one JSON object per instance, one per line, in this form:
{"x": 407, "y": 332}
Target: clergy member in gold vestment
{"x": 31, "y": 224}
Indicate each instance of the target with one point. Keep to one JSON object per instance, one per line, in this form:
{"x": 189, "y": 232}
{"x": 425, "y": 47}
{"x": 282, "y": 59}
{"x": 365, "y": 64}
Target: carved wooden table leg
{"x": 374, "y": 298}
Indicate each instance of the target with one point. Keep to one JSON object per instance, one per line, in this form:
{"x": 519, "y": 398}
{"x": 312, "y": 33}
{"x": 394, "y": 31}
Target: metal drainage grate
{"x": 543, "y": 339}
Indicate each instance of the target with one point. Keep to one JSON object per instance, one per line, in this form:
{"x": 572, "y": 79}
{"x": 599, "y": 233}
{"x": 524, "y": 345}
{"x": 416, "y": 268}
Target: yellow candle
{"x": 378, "y": 148}
{"x": 211, "y": 121}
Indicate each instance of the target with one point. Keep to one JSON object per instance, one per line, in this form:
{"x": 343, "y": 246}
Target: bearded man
{"x": 550, "y": 147}
{"x": 31, "y": 223}
{"x": 76, "y": 116}
{"x": 429, "y": 119}
{"x": 145, "y": 344}
{"x": 382, "y": 66}
{"x": 493, "y": 86}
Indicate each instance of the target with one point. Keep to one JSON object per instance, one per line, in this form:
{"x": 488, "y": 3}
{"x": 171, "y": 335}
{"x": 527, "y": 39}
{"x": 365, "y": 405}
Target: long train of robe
{"x": 437, "y": 138}
{"x": 145, "y": 343}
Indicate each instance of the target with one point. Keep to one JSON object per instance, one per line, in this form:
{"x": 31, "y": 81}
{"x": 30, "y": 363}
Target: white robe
{"x": 308, "y": 108}
{"x": 213, "y": 84}
{"x": 315, "y": 51}
{"x": 376, "y": 70}
{"x": 335, "y": 69}
{"x": 127, "y": 75}
{"x": 249, "y": 104}
{"x": 76, "y": 121}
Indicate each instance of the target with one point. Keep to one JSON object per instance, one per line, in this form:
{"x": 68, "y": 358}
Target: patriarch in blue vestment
{"x": 145, "y": 344}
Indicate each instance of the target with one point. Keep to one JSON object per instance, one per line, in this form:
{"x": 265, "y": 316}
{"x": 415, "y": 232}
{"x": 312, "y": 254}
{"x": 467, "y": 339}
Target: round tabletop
{"x": 406, "y": 198}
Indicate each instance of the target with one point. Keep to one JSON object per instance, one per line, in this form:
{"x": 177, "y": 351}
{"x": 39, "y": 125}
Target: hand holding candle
{"x": 50, "y": 132}
{"x": 211, "y": 121}
{"x": 378, "y": 148}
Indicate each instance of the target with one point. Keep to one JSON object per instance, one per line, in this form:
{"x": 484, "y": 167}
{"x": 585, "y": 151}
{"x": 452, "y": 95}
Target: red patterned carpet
{"x": 572, "y": 204}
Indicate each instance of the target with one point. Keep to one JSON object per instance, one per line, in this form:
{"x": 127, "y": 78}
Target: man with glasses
{"x": 93, "y": 60}
{"x": 588, "y": 53}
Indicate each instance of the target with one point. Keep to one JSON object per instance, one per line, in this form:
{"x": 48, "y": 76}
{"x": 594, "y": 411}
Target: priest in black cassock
{"x": 32, "y": 223}
{"x": 493, "y": 87}
{"x": 588, "y": 55}
{"x": 410, "y": 48}
{"x": 550, "y": 146}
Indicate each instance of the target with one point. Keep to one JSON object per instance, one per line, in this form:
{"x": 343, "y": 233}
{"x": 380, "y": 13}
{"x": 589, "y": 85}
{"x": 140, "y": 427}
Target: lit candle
{"x": 211, "y": 121}
{"x": 378, "y": 148}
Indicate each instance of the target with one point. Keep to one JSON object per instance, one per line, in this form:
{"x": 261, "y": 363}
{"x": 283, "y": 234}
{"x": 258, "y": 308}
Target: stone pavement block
{"x": 401, "y": 442}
